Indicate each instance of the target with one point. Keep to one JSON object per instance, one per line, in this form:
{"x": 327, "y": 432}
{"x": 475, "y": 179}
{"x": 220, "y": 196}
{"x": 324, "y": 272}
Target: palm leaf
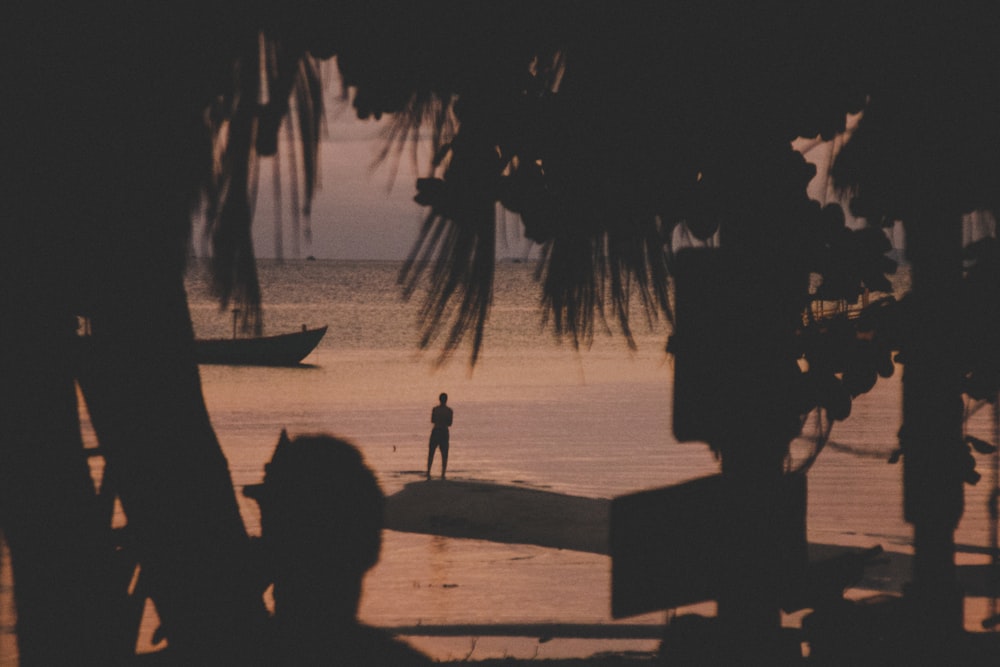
{"x": 245, "y": 122}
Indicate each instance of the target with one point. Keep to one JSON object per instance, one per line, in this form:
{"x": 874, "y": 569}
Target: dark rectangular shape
{"x": 668, "y": 545}
{"x": 703, "y": 343}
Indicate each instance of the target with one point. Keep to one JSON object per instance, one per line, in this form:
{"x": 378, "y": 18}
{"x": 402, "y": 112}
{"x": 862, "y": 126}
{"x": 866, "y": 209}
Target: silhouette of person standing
{"x": 321, "y": 517}
{"x": 441, "y": 417}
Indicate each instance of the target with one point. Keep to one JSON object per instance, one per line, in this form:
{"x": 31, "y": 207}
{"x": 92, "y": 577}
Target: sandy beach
{"x": 523, "y": 515}
{"x": 518, "y": 514}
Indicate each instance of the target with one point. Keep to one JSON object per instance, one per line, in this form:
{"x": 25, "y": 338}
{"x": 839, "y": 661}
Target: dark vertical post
{"x": 931, "y": 436}
{"x": 734, "y": 369}
{"x": 754, "y": 450}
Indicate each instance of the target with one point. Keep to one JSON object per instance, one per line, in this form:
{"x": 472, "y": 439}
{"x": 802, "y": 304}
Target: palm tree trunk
{"x": 49, "y": 516}
{"x": 143, "y": 390}
{"x": 749, "y": 608}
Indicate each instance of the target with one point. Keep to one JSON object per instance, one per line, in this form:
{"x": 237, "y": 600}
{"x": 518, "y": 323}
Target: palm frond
{"x": 309, "y": 107}
{"x": 405, "y": 129}
{"x": 456, "y": 252}
{"x": 246, "y": 122}
{"x": 234, "y": 270}
{"x": 603, "y": 248}
{"x": 584, "y": 275}
{"x": 456, "y": 248}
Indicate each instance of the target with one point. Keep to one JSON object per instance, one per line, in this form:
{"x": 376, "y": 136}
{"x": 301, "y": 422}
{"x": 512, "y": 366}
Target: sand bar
{"x": 500, "y": 513}
{"x": 512, "y": 513}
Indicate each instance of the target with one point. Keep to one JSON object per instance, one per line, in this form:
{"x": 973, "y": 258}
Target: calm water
{"x": 593, "y": 423}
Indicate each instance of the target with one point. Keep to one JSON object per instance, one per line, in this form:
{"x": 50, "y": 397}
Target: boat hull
{"x": 281, "y": 350}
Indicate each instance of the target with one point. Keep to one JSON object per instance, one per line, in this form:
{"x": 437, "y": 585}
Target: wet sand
{"x": 522, "y": 515}
{"x": 517, "y": 514}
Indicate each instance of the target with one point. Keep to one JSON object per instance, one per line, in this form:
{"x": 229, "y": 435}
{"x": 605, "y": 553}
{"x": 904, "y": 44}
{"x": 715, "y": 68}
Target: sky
{"x": 359, "y": 211}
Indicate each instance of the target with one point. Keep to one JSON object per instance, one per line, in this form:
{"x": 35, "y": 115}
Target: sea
{"x": 534, "y": 411}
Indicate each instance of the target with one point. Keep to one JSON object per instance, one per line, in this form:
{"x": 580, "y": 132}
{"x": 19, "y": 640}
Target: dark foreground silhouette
{"x": 321, "y": 530}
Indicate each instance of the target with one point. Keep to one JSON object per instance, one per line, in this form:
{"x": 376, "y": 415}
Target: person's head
{"x": 443, "y": 398}
{"x": 321, "y": 514}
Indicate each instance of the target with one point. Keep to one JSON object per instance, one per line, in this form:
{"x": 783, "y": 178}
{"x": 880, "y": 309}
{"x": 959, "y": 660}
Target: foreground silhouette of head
{"x": 321, "y": 527}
